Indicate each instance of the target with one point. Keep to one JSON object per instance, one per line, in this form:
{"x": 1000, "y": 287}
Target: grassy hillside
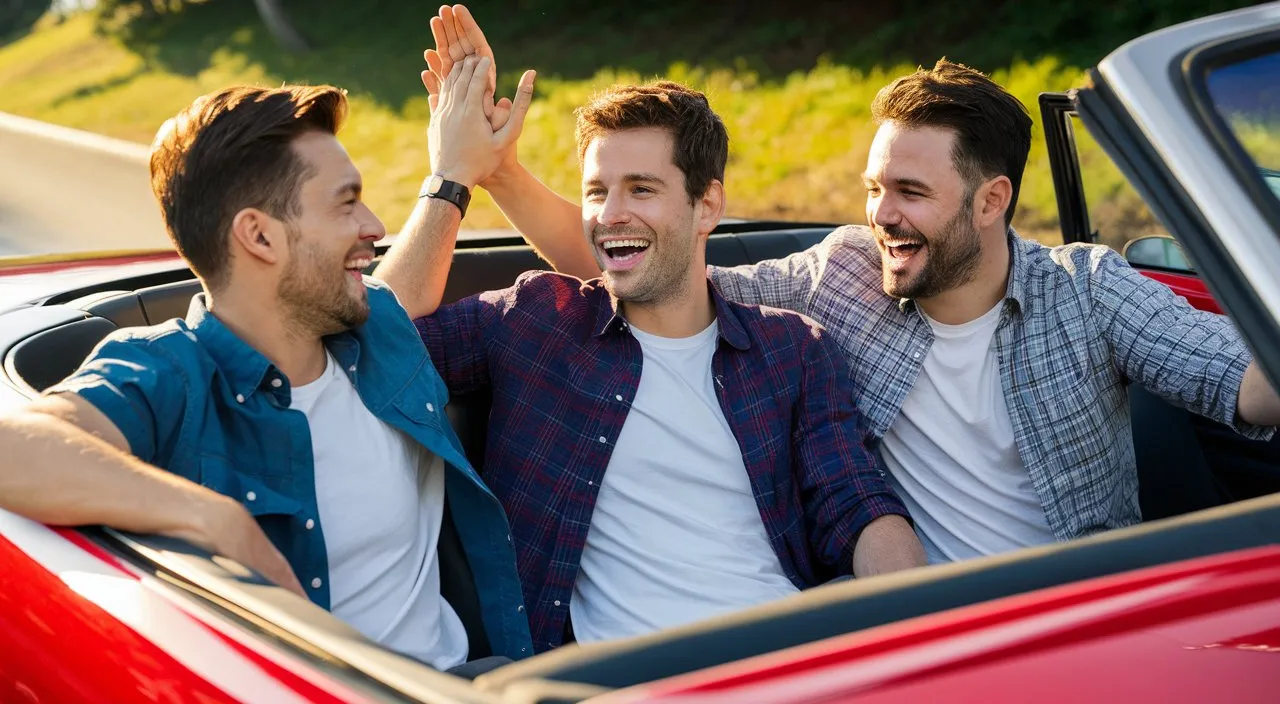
{"x": 794, "y": 93}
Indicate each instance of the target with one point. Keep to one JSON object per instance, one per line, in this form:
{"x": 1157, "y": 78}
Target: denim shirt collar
{"x": 245, "y": 368}
{"x": 609, "y": 315}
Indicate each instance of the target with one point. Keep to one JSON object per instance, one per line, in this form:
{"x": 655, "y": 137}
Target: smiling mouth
{"x": 622, "y": 251}
{"x": 902, "y": 251}
{"x": 355, "y": 266}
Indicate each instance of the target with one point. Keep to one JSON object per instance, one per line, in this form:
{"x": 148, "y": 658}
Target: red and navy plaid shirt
{"x": 564, "y": 368}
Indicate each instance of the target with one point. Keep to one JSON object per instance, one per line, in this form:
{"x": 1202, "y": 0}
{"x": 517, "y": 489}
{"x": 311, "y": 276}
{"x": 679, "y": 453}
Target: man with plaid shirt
{"x": 663, "y": 454}
{"x": 992, "y": 369}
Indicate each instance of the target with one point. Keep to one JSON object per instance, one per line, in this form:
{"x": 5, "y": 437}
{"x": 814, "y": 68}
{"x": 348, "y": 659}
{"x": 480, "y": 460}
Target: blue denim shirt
{"x": 193, "y": 398}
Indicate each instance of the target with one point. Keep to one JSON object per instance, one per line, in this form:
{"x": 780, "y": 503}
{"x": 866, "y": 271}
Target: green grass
{"x": 795, "y": 95}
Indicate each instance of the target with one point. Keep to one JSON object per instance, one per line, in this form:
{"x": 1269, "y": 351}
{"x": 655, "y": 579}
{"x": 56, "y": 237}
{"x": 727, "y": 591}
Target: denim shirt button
{"x": 619, "y": 397}
{"x": 557, "y": 602}
{"x": 520, "y": 609}
{"x": 352, "y": 369}
{"x": 431, "y": 408}
{"x": 311, "y": 523}
{"x": 315, "y": 583}
{"x": 239, "y": 398}
{"x": 251, "y": 496}
{"x": 276, "y": 383}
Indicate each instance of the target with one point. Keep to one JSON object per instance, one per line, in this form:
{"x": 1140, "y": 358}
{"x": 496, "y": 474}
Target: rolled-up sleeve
{"x": 1191, "y": 358}
{"x": 842, "y": 486}
{"x": 135, "y": 385}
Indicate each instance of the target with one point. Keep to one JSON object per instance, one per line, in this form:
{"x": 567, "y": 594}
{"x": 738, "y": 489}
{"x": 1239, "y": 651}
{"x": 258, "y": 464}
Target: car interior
{"x": 1185, "y": 465}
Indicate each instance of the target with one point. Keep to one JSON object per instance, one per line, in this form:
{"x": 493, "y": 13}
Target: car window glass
{"x": 1118, "y": 216}
{"x": 1247, "y": 96}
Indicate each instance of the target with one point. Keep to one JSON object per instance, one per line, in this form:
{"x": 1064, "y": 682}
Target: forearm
{"x": 55, "y": 473}
{"x": 417, "y": 265}
{"x": 550, "y": 223}
{"x": 887, "y": 544}
{"x": 1258, "y": 403}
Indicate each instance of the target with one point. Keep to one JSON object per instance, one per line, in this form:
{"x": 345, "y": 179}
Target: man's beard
{"x": 953, "y": 256}
{"x": 315, "y": 301}
{"x": 665, "y": 269}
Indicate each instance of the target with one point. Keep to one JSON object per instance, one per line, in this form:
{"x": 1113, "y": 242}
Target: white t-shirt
{"x": 951, "y": 454}
{"x": 676, "y": 534}
{"x": 381, "y": 499}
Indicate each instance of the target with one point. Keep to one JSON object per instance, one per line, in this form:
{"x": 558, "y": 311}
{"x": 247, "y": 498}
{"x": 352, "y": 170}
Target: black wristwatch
{"x": 437, "y": 187}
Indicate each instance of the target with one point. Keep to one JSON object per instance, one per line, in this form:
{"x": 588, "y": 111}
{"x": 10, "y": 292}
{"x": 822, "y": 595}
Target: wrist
{"x": 458, "y": 175}
{"x": 507, "y": 173}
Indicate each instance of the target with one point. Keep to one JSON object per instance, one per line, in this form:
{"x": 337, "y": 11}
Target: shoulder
{"x": 778, "y": 331}
{"x": 170, "y": 344}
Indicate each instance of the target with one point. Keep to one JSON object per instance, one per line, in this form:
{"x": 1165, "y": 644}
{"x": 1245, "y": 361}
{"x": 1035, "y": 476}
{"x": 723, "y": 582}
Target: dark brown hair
{"x": 230, "y": 150}
{"x": 993, "y": 129}
{"x": 700, "y": 141}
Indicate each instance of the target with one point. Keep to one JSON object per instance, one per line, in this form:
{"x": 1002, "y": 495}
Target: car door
{"x": 1190, "y": 117}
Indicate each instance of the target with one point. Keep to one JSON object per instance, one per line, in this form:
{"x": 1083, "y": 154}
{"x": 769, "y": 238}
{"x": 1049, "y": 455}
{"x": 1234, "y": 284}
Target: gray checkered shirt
{"x": 1078, "y": 324}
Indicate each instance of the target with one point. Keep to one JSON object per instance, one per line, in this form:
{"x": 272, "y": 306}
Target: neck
{"x": 684, "y": 315}
{"x": 264, "y": 326}
{"x": 987, "y": 287}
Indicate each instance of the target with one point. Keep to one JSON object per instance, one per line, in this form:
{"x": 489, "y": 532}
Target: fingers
{"x": 432, "y": 83}
{"x": 442, "y": 46}
{"x": 451, "y": 33}
{"x": 468, "y": 31}
{"x": 501, "y": 113}
{"x": 460, "y": 29}
{"x": 277, "y": 569}
{"x": 519, "y": 108}
{"x": 477, "y": 78}
{"x": 435, "y": 62}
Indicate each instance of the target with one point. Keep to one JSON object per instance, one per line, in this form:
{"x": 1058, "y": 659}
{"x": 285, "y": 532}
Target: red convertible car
{"x": 1185, "y": 607}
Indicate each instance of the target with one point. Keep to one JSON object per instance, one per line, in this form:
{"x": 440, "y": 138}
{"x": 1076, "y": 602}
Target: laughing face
{"x": 921, "y": 210}
{"x": 637, "y": 216}
{"x": 330, "y": 242}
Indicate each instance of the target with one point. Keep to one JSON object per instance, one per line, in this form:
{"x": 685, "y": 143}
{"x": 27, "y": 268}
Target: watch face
{"x": 434, "y": 184}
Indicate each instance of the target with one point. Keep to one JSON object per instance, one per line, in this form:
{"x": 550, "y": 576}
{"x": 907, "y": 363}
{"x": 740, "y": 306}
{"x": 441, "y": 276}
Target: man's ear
{"x": 258, "y": 235}
{"x": 991, "y": 201}
{"x": 711, "y": 207}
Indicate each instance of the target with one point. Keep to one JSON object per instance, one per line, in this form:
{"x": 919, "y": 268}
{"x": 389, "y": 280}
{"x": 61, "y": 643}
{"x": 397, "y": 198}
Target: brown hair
{"x": 701, "y": 143}
{"x": 230, "y": 150}
{"x": 993, "y": 129}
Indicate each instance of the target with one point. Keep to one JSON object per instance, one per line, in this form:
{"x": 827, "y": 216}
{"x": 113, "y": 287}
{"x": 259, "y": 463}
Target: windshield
{"x": 1247, "y": 96}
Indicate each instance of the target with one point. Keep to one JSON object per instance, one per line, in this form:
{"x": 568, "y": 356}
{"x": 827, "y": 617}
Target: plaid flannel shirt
{"x": 564, "y": 368}
{"x": 1078, "y": 324}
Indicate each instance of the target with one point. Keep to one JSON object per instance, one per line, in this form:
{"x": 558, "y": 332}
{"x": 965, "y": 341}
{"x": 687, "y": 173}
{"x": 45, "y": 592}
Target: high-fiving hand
{"x": 463, "y": 144}
{"x": 457, "y": 36}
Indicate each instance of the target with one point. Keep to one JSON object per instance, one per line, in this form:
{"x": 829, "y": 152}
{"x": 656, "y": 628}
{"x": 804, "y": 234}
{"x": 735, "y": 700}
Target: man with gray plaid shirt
{"x": 992, "y": 368}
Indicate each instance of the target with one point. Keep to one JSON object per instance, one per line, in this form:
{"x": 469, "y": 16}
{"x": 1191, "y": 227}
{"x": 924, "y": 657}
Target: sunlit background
{"x": 793, "y": 81}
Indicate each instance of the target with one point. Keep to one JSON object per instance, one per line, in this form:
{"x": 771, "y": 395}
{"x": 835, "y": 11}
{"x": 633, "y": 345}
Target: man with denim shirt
{"x": 664, "y": 455}
{"x": 295, "y": 400}
{"x": 992, "y": 369}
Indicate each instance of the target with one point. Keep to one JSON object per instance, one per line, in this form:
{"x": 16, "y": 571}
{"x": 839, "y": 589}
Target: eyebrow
{"x": 632, "y": 178}
{"x": 350, "y": 187}
{"x": 902, "y": 183}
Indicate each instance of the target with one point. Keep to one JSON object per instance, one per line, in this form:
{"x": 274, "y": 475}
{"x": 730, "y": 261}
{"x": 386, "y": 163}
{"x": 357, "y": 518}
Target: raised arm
{"x": 463, "y": 148}
{"x": 551, "y": 224}
{"x": 63, "y": 462}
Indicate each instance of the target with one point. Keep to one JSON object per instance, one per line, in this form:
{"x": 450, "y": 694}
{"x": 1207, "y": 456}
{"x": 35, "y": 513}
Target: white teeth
{"x": 358, "y": 263}
{"x": 624, "y": 243}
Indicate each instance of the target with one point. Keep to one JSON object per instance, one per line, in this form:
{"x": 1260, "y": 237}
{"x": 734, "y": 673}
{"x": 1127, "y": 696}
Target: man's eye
{"x": 911, "y": 194}
{"x": 594, "y": 193}
{"x": 642, "y": 189}
{"x": 872, "y": 190}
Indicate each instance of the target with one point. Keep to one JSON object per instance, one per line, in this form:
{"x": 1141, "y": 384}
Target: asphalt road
{"x": 64, "y": 190}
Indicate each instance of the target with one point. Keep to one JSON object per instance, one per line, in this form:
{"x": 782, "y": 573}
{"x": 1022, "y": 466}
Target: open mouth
{"x": 624, "y": 253}
{"x": 355, "y": 266}
{"x": 903, "y": 251}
